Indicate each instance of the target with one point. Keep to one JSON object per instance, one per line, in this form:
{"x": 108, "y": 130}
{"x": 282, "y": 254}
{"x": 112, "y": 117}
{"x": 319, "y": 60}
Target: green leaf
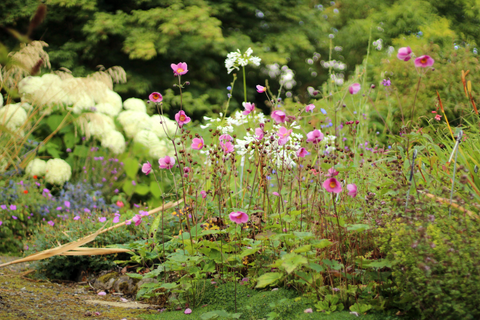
{"x": 320, "y": 244}
{"x": 54, "y": 121}
{"x": 169, "y": 286}
{"x": 304, "y": 248}
{"x": 358, "y": 227}
{"x": 155, "y": 189}
{"x": 316, "y": 267}
{"x": 304, "y": 235}
{"x": 81, "y": 151}
{"x": 128, "y": 188}
{"x": 142, "y": 189}
{"x": 70, "y": 140}
{"x": 131, "y": 167}
{"x": 292, "y": 261}
{"x": 135, "y": 276}
{"x": 268, "y": 279}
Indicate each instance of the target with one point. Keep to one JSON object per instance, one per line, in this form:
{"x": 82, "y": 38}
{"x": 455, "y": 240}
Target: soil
{"x": 25, "y": 298}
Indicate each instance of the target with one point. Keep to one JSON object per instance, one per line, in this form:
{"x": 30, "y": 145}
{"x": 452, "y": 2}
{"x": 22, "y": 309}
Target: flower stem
{"x": 244, "y": 85}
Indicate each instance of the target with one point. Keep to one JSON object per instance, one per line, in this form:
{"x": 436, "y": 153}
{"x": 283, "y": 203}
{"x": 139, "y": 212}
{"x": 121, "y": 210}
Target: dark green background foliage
{"x": 436, "y": 266}
{"x": 145, "y": 36}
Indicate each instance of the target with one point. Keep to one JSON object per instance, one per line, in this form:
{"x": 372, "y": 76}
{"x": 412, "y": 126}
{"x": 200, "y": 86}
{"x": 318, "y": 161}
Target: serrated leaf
{"x": 292, "y": 261}
{"x": 268, "y": 279}
{"x": 304, "y": 248}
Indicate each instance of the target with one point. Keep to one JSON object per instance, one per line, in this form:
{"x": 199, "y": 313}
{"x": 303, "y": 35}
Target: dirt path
{"x": 21, "y": 298}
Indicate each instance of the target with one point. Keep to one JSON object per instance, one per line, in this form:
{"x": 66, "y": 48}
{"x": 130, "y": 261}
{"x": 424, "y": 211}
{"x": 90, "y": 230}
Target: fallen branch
{"x": 73, "y": 248}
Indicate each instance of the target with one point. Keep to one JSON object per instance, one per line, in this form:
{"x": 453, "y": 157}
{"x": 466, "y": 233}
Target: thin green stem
{"x": 244, "y": 85}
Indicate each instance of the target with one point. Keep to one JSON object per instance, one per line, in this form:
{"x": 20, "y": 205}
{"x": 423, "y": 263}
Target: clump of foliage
{"x": 435, "y": 265}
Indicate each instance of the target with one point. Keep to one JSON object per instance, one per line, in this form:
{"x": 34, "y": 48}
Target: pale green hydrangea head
{"x": 36, "y": 167}
{"x": 58, "y": 171}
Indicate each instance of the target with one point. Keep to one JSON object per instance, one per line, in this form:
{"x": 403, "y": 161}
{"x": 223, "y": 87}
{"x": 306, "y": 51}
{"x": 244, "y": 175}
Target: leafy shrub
{"x": 436, "y": 266}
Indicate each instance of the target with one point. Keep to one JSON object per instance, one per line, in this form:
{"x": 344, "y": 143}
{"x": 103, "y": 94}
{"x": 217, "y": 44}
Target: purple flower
{"x": 76, "y": 218}
{"x": 13, "y": 207}
{"x": 102, "y": 219}
{"x": 188, "y": 311}
{"x": 134, "y": 183}
{"x": 14, "y": 218}
{"x": 51, "y": 223}
{"x": 86, "y": 210}
{"x": 386, "y": 82}
{"x": 59, "y": 208}
{"x": 3, "y": 206}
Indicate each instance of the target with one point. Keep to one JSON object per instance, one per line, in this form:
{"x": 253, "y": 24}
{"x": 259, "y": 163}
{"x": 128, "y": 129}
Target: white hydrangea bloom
{"x": 146, "y": 137}
{"x": 114, "y": 99}
{"x": 58, "y": 171}
{"x": 27, "y": 106}
{"x": 13, "y": 116}
{"x": 36, "y": 167}
{"x": 105, "y": 108}
{"x": 135, "y": 104}
{"x": 99, "y": 125}
{"x": 44, "y": 90}
{"x": 161, "y": 149}
{"x": 236, "y": 59}
{"x": 115, "y": 141}
{"x": 133, "y": 122}
{"x": 159, "y": 129}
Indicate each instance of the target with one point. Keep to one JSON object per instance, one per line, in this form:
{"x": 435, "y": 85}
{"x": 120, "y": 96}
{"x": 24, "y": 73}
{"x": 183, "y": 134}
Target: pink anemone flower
{"x": 332, "y": 185}
{"x": 147, "y": 168}
{"x": 424, "y": 61}
{"x": 155, "y": 97}
{"x": 315, "y": 136}
{"x": 137, "y": 219}
{"x": 261, "y": 89}
{"x": 354, "y": 88}
{"x": 259, "y": 133}
{"x": 284, "y": 133}
{"x": 279, "y": 116}
{"x": 249, "y": 107}
{"x": 225, "y": 137}
{"x": 309, "y": 107}
{"x": 182, "y": 118}
{"x": 352, "y": 190}
{"x": 239, "y": 217}
{"x": 179, "y": 69}
{"x": 332, "y": 172}
{"x": 197, "y": 143}
{"x": 166, "y": 163}
{"x": 302, "y": 153}
{"x": 227, "y": 147}
{"x": 404, "y": 53}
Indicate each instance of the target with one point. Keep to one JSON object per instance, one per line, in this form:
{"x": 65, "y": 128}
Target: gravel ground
{"x": 24, "y": 298}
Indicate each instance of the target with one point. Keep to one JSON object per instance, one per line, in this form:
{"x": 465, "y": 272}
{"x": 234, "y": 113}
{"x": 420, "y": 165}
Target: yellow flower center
{"x": 182, "y": 117}
{"x": 423, "y": 61}
{"x": 333, "y": 184}
{"x": 155, "y": 96}
{"x": 180, "y": 70}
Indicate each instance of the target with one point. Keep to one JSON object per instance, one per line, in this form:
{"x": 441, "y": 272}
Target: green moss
{"x": 107, "y": 277}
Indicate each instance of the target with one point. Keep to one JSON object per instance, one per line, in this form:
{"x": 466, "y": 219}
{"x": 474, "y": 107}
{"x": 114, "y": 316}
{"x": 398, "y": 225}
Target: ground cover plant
{"x": 360, "y": 200}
